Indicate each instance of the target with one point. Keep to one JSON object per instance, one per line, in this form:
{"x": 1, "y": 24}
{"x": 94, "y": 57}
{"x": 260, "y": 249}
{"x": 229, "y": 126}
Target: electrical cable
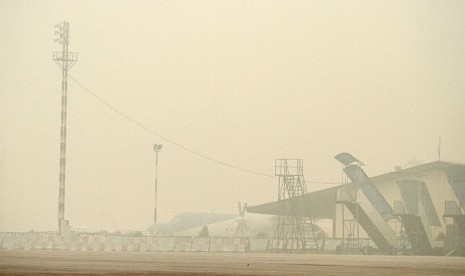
{"x": 163, "y": 137}
{"x": 144, "y": 127}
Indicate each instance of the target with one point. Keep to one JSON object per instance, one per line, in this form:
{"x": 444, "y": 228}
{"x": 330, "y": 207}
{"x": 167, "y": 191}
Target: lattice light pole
{"x": 65, "y": 60}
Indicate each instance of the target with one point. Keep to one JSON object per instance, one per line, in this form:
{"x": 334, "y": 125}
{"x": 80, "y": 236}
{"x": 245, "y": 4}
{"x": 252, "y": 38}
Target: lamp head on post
{"x": 157, "y": 147}
{"x": 62, "y": 33}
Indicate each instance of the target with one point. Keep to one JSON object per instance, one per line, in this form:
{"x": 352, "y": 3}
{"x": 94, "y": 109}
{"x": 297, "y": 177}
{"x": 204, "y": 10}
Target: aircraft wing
{"x": 322, "y": 205}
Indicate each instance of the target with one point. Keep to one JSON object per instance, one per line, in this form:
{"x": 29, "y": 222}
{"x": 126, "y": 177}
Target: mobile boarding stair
{"x": 418, "y": 215}
{"x": 369, "y": 207}
{"x": 455, "y": 231}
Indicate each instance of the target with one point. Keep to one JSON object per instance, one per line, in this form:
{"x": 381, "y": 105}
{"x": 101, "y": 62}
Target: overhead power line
{"x": 146, "y": 128}
{"x": 163, "y": 137}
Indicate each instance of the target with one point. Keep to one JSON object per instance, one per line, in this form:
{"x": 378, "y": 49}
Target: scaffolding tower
{"x": 297, "y": 230}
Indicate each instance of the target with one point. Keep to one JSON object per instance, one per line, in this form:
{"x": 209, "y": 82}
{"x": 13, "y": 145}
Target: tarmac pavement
{"x": 177, "y": 263}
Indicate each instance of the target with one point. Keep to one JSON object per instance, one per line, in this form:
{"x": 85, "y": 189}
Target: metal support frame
{"x": 297, "y": 230}
{"x": 65, "y": 60}
{"x": 347, "y": 194}
{"x": 455, "y": 228}
{"x": 454, "y": 217}
{"x": 418, "y": 215}
{"x": 404, "y": 245}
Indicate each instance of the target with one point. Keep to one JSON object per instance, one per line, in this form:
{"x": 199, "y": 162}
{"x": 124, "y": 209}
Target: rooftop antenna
{"x": 65, "y": 60}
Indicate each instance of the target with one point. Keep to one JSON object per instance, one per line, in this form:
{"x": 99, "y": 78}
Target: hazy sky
{"x": 244, "y": 82}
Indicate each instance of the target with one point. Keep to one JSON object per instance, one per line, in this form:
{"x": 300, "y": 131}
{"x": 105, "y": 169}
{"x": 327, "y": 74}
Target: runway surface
{"x": 141, "y": 263}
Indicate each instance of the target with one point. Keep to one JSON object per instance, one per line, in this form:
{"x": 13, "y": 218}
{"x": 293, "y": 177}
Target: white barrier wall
{"x": 131, "y": 244}
{"x": 152, "y": 243}
{"x": 165, "y": 244}
{"x": 258, "y": 244}
{"x": 89, "y": 242}
{"x": 200, "y": 244}
{"x": 240, "y": 244}
{"x": 8, "y": 243}
{"x": 227, "y": 244}
{"x": 183, "y": 244}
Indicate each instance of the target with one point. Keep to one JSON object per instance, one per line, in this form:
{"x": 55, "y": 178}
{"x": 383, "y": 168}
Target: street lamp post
{"x": 156, "y": 149}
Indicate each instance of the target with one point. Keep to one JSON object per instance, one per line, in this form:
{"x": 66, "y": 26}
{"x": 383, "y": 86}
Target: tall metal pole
{"x": 2, "y": 192}
{"x": 156, "y": 149}
{"x": 156, "y": 188}
{"x": 65, "y": 60}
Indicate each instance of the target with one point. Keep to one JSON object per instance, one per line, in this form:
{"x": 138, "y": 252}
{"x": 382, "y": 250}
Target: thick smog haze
{"x": 243, "y": 82}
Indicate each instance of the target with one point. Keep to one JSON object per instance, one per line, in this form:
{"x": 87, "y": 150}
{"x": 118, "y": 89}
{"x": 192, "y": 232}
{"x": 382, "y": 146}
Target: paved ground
{"x": 140, "y": 263}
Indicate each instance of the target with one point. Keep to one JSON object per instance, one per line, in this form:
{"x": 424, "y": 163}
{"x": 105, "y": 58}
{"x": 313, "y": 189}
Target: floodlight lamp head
{"x": 157, "y": 147}
{"x": 61, "y": 31}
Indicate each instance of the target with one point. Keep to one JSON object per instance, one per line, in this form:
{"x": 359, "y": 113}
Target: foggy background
{"x": 244, "y": 82}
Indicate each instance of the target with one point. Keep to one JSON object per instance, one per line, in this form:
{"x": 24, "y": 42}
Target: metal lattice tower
{"x": 65, "y": 60}
{"x": 297, "y": 231}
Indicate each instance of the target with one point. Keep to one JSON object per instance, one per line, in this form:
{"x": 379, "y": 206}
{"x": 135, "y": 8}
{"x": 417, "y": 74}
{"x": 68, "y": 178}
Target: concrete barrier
{"x": 126, "y": 244}
{"x": 144, "y": 246}
{"x": 200, "y": 244}
{"x": 183, "y": 244}
{"x": 8, "y": 243}
{"x": 73, "y": 243}
{"x": 108, "y": 243}
{"x": 19, "y": 243}
{"x": 258, "y": 244}
{"x": 97, "y": 242}
{"x": 131, "y": 244}
{"x": 31, "y": 242}
{"x": 38, "y": 243}
{"x": 46, "y": 243}
{"x": 88, "y": 243}
{"x": 218, "y": 244}
{"x": 239, "y": 244}
{"x": 61, "y": 243}
{"x": 152, "y": 244}
{"x": 166, "y": 244}
{"x": 117, "y": 243}
{"x": 136, "y": 244}
{"x": 228, "y": 244}
{"x": 80, "y": 243}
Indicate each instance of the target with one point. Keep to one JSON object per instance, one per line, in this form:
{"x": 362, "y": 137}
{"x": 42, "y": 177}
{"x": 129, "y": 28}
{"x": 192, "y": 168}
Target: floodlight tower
{"x": 156, "y": 149}
{"x": 65, "y": 60}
